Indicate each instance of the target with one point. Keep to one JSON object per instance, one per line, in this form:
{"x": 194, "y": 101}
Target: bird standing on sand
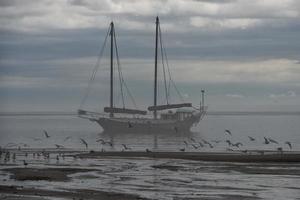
{"x": 129, "y": 125}
{"x": 289, "y": 143}
{"x": 266, "y": 141}
{"x": 25, "y": 163}
{"x": 251, "y": 138}
{"x": 273, "y": 141}
{"x": 182, "y": 150}
{"x": 46, "y": 134}
{"x": 84, "y": 142}
{"x": 228, "y": 131}
{"x": 148, "y": 151}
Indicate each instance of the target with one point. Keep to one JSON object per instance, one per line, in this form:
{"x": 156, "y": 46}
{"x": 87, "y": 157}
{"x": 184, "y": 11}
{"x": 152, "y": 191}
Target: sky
{"x": 245, "y": 54}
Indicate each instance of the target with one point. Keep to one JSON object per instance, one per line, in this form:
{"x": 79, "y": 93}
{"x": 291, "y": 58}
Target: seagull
{"x": 67, "y": 138}
{"x": 185, "y": 142}
{"x": 148, "y": 151}
{"x": 84, "y": 142}
{"x": 110, "y": 144}
{"x": 237, "y": 144}
{"x": 216, "y": 141}
{"x": 228, "y": 149}
{"x": 129, "y": 125}
{"x": 46, "y": 134}
{"x": 101, "y": 140}
{"x": 195, "y": 146}
{"x": 280, "y": 149}
{"x": 25, "y": 163}
{"x": 125, "y": 147}
{"x": 266, "y": 141}
{"x": 228, "y": 131}
{"x": 182, "y": 150}
{"x": 176, "y": 129}
{"x": 192, "y": 139}
{"x": 251, "y": 138}
{"x": 59, "y": 146}
{"x": 289, "y": 143}
{"x": 201, "y": 145}
{"x": 229, "y": 142}
{"x": 273, "y": 141}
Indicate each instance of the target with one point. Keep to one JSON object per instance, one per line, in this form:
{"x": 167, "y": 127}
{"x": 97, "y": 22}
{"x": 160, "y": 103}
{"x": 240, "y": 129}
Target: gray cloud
{"x": 226, "y": 46}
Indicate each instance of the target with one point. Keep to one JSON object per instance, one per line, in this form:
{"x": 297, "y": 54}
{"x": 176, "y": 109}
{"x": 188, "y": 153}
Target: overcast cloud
{"x": 244, "y": 53}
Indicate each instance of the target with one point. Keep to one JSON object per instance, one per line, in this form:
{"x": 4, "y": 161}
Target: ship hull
{"x": 139, "y": 125}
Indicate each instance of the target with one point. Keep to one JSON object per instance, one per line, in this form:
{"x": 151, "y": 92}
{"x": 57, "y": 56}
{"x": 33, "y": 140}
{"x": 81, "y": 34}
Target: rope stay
{"x": 170, "y": 81}
{"x": 95, "y": 69}
{"x": 122, "y": 82}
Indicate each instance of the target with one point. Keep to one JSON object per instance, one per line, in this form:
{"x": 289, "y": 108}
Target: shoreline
{"x": 238, "y": 156}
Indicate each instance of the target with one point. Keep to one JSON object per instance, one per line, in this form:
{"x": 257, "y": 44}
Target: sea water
{"x": 161, "y": 178}
{"x": 67, "y": 131}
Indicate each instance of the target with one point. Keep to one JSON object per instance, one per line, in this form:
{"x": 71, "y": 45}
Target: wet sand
{"x": 236, "y": 156}
{"x": 19, "y": 192}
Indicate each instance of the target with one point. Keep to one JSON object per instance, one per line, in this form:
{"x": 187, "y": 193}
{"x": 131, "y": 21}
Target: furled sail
{"x": 124, "y": 110}
{"x": 169, "y": 106}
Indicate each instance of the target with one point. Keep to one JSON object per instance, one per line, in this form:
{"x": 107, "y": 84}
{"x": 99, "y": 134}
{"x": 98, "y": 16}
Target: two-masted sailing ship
{"x": 179, "y": 117}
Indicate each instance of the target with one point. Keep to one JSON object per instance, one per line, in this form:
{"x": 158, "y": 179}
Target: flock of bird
{"x": 191, "y": 142}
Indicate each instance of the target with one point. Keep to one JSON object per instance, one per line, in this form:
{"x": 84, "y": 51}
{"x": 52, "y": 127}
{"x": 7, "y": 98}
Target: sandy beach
{"x": 116, "y": 175}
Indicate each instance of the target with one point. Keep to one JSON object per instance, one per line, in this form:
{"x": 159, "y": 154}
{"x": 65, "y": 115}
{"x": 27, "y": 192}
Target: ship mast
{"x": 111, "y": 68}
{"x": 155, "y": 69}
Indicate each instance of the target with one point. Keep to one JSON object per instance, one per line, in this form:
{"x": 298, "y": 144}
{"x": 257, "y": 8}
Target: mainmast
{"x": 155, "y": 69}
{"x": 111, "y": 68}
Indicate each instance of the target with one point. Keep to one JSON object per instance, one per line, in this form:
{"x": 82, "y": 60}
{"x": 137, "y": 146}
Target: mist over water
{"x": 67, "y": 131}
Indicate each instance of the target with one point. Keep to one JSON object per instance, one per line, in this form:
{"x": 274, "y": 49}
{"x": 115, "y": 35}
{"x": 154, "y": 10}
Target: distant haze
{"x": 245, "y": 54}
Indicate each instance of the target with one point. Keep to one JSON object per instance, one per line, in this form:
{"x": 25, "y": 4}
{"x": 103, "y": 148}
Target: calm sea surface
{"x": 66, "y": 131}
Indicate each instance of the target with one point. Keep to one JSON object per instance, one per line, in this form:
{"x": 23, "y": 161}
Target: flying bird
{"x": 201, "y": 145}
{"x": 69, "y": 137}
{"x": 195, "y": 147}
{"x": 59, "y": 146}
{"x": 46, "y": 134}
{"x": 216, "y": 141}
{"x": 289, "y": 143}
{"x": 266, "y": 141}
{"x": 228, "y": 131}
{"x": 229, "y": 142}
{"x": 185, "y": 142}
{"x": 84, "y": 142}
{"x": 192, "y": 139}
{"x": 125, "y": 147}
{"x": 273, "y": 141}
{"x": 251, "y": 138}
{"x": 238, "y": 144}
